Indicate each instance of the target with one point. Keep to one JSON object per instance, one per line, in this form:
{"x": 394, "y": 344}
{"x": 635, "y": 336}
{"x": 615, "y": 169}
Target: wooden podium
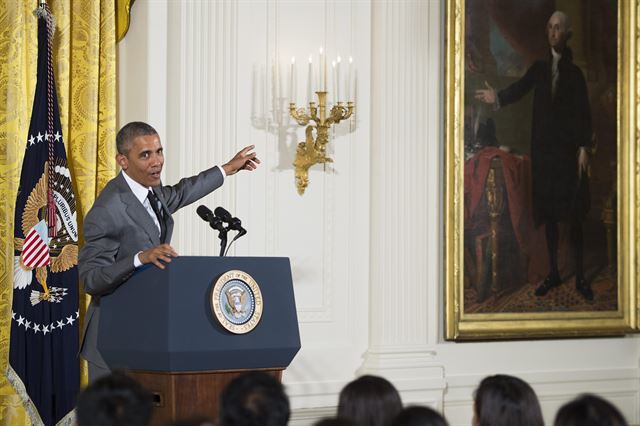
{"x": 184, "y": 395}
{"x": 160, "y": 328}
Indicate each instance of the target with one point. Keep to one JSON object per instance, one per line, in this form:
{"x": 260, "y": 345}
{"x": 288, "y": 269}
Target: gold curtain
{"x": 85, "y": 71}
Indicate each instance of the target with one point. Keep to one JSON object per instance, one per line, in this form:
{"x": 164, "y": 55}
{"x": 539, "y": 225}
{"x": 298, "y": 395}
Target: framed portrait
{"x": 541, "y": 168}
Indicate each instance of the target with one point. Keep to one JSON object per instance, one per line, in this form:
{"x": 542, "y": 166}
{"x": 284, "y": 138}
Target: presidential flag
{"x": 43, "y": 352}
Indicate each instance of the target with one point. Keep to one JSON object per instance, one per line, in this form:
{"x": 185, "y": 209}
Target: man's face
{"x": 143, "y": 163}
{"x": 557, "y": 32}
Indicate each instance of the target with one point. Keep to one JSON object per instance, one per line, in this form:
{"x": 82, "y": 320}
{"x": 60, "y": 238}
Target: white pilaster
{"x": 404, "y": 199}
{"x": 201, "y": 107}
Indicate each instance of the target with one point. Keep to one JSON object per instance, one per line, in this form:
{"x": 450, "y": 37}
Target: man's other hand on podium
{"x": 157, "y": 255}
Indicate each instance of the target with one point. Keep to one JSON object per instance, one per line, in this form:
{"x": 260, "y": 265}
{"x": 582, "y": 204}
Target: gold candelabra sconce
{"x": 310, "y": 151}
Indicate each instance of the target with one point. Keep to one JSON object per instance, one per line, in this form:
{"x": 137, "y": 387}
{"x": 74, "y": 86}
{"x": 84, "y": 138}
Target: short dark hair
{"x": 369, "y": 400}
{"x": 419, "y": 416}
{"x": 129, "y": 132}
{"x": 116, "y": 399}
{"x": 589, "y": 410}
{"x": 254, "y": 399}
{"x": 503, "y": 400}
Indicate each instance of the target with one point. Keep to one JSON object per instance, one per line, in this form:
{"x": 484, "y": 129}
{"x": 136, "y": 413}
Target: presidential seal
{"x": 236, "y": 302}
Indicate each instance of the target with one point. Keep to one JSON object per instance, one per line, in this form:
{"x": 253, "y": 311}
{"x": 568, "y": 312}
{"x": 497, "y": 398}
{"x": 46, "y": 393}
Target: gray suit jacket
{"x": 115, "y": 229}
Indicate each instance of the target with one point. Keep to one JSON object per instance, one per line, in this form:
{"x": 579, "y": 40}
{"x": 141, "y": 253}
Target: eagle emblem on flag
{"x": 37, "y": 250}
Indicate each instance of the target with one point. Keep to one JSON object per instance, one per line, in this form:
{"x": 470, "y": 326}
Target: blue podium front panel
{"x": 161, "y": 320}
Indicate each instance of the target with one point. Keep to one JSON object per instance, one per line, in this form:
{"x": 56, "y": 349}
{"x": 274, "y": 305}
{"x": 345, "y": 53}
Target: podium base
{"x": 182, "y": 395}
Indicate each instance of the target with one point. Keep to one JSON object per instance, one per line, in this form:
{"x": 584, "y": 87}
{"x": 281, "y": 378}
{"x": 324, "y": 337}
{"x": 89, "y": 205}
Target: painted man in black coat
{"x": 560, "y": 136}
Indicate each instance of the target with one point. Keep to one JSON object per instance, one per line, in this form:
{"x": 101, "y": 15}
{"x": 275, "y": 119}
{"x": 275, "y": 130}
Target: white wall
{"x": 365, "y": 240}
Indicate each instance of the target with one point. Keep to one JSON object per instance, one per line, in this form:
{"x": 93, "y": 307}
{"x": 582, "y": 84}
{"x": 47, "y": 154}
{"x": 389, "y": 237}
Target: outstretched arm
{"x": 191, "y": 189}
{"x": 245, "y": 159}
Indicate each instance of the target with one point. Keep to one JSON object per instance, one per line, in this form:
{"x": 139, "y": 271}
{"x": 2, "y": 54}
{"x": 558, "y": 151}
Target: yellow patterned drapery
{"x": 85, "y": 71}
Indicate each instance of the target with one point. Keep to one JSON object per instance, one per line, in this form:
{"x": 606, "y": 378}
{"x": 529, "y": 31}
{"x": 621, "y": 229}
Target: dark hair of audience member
{"x": 589, "y": 410}
{"x": 503, "y": 400}
{"x": 334, "y": 421}
{"x": 253, "y": 399}
{"x": 116, "y": 399}
{"x": 419, "y": 416}
{"x": 369, "y": 401}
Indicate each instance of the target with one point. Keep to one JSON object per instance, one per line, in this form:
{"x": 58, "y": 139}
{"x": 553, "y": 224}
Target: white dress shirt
{"x": 141, "y": 192}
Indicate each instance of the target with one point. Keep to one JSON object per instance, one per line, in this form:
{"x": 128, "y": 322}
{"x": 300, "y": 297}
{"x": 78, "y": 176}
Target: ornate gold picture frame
{"x": 541, "y": 168}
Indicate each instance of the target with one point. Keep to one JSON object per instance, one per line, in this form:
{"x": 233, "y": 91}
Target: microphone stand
{"x": 233, "y": 223}
{"x": 222, "y": 234}
{"x": 216, "y": 223}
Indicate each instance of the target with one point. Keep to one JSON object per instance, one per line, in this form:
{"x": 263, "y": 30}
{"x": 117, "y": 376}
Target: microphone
{"x": 223, "y": 214}
{"x": 234, "y": 222}
{"x": 207, "y": 215}
{"x": 216, "y": 223}
{"x": 236, "y": 225}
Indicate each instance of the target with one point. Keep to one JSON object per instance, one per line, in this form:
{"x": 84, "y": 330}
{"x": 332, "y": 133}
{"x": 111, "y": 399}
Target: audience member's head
{"x": 589, "y": 410}
{"x": 113, "y": 400}
{"x": 369, "y": 401}
{"x": 503, "y": 400}
{"x": 419, "y": 416}
{"x": 254, "y": 399}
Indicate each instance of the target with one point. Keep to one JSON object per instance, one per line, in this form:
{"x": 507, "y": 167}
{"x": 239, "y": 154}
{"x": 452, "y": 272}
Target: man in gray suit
{"x": 130, "y": 223}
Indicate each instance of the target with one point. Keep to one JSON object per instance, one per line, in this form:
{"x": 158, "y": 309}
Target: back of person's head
{"x": 129, "y": 132}
{"x": 113, "y": 400}
{"x": 369, "y": 401}
{"x": 503, "y": 400}
{"x": 254, "y": 399}
{"x": 419, "y": 416}
{"x": 589, "y": 410}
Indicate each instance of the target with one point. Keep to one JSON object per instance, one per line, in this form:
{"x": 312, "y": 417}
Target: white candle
{"x": 338, "y": 79}
{"x": 349, "y": 80}
{"x": 310, "y": 85}
{"x": 321, "y": 71}
{"x": 292, "y": 82}
{"x": 324, "y": 86}
{"x": 334, "y": 86}
{"x": 355, "y": 87}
